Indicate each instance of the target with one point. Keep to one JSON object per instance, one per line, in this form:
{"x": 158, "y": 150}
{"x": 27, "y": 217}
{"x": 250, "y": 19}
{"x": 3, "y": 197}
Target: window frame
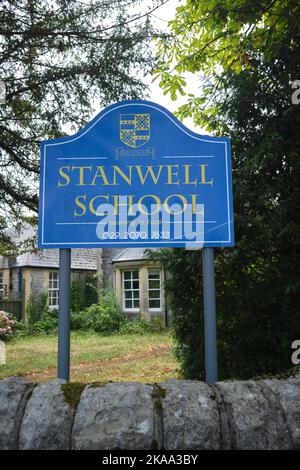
{"x": 130, "y": 309}
{"x": 155, "y": 309}
{"x": 52, "y": 289}
{"x": 2, "y": 285}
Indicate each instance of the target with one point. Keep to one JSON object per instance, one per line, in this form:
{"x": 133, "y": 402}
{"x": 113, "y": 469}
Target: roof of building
{"x": 81, "y": 258}
{"x": 131, "y": 254}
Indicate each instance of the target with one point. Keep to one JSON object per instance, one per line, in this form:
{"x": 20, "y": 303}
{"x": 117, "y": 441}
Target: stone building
{"x": 138, "y": 285}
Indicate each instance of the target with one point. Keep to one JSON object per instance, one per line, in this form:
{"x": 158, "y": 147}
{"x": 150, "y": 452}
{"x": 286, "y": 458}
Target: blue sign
{"x": 135, "y": 176}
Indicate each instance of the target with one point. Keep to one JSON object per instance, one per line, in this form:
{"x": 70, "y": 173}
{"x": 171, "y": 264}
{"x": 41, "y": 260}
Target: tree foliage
{"x": 247, "y": 54}
{"x": 59, "y": 60}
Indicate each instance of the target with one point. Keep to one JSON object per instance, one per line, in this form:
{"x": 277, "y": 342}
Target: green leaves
{"x": 215, "y": 35}
{"x": 172, "y": 84}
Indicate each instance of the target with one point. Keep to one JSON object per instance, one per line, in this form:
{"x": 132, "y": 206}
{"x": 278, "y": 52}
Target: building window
{"x": 131, "y": 290}
{"x": 53, "y": 291}
{"x": 2, "y": 286}
{"x": 154, "y": 289}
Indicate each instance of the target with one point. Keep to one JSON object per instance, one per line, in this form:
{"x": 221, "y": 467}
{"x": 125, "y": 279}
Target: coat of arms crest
{"x": 134, "y": 129}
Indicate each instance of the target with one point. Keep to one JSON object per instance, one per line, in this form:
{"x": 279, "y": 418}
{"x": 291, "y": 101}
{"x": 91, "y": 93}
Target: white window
{"x": 154, "y": 289}
{"x": 53, "y": 291}
{"x": 2, "y": 286}
{"x": 131, "y": 290}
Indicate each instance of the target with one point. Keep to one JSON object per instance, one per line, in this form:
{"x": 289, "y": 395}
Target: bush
{"x": 77, "y": 296}
{"x": 141, "y": 326}
{"x": 48, "y": 324}
{"x": 90, "y": 291}
{"x": 137, "y": 326}
{"x": 184, "y": 268}
{"x": 79, "y": 321}
{"x": 83, "y": 293}
{"x": 255, "y": 328}
{"x": 7, "y": 325}
{"x": 104, "y": 317}
{"x": 41, "y": 318}
{"x": 20, "y": 329}
{"x": 157, "y": 324}
{"x": 52, "y": 312}
{"x": 37, "y": 309}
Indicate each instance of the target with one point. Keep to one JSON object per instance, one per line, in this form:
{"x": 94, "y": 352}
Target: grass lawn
{"x": 142, "y": 358}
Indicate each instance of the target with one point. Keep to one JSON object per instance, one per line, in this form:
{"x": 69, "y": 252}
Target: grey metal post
{"x": 210, "y": 326}
{"x": 64, "y": 314}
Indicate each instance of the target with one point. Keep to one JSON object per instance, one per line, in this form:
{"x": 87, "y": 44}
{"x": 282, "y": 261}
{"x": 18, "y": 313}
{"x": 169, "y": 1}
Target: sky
{"x": 160, "y": 18}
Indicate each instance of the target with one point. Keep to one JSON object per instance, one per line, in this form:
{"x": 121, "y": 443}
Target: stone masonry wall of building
{"x": 39, "y": 282}
{"x": 107, "y": 268}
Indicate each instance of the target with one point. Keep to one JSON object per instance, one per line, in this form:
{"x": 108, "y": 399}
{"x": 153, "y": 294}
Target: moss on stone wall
{"x": 72, "y": 392}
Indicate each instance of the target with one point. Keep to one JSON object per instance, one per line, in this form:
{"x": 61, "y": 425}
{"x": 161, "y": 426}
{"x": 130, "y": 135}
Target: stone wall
{"x": 183, "y": 415}
{"x": 39, "y": 282}
{"x": 13, "y": 287}
{"x": 107, "y": 268}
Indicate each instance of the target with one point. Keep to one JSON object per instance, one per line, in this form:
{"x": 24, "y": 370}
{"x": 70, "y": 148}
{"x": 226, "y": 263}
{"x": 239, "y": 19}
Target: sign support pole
{"x": 210, "y": 326}
{"x": 64, "y": 314}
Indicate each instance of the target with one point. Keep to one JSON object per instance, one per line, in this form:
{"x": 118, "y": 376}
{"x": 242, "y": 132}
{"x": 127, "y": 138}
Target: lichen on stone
{"x": 72, "y": 392}
{"x": 158, "y": 392}
{"x": 97, "y": 384}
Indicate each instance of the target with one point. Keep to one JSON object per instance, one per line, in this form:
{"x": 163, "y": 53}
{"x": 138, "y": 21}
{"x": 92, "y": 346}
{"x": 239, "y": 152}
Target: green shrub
{"x": 83, "y": 293}
{"x": 37, "y": 309}
{"x": 90, "y": 291}
{"x": 157, "y": 324}
{"x": 77, "y": 296}
{"x": 79, "y": 321}
{"x": 255, "y": 328}
{"x": 104, "y": 317}
{"x": 21, "y": 329}
{"x": 137, "y": 326}
{"x": 48, "y": 324}
{"x": 52, "y": 312}
{"x": 41, "y": 318}
{"x": 184, "y": 268}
